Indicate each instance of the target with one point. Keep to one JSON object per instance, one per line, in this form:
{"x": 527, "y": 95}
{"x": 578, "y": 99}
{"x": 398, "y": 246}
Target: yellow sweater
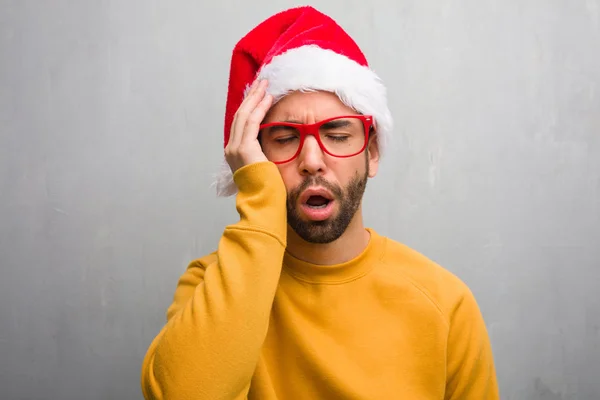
{"x": 249, "y": 321}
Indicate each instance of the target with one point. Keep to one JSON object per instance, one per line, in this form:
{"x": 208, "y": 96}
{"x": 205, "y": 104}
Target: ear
{"x": 373, "y": 154}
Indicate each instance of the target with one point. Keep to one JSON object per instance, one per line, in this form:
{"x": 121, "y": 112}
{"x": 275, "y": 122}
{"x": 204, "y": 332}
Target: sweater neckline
{"x": 337, "y": 273}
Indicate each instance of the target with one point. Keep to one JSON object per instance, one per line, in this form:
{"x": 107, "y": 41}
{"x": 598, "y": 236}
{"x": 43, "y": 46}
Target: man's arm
{"x": 211, "y": 343}
{"x": 219, "y": 319}
{"x": 471, "y": 374}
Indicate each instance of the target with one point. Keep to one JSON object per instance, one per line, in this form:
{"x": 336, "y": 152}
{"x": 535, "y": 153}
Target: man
{"x": 300, "y": 300}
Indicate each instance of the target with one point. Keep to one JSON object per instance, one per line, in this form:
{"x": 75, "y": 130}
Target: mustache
{"x": 316, "y": 181}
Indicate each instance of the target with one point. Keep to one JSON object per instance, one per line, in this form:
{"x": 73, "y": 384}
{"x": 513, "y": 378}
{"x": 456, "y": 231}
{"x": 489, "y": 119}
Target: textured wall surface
{"x": 111, "y": 129}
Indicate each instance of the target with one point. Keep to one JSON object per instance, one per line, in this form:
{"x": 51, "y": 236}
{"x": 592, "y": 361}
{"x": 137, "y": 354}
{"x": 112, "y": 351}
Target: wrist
{"x": 261, "y": 198}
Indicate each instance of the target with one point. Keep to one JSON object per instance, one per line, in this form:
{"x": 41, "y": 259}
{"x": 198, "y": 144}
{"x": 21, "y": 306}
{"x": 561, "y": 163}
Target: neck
{"x": 348, "y": 246}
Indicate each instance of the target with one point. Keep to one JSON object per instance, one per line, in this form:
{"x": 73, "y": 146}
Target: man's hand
{"x": 243, "y": 147}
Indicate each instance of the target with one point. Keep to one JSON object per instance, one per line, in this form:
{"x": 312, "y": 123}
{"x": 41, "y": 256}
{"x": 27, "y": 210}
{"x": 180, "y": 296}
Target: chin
{"x": 318, "y": 232}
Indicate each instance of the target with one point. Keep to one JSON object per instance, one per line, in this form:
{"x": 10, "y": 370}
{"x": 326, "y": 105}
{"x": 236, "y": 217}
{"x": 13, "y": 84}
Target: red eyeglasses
{"x": 344, "y": 136}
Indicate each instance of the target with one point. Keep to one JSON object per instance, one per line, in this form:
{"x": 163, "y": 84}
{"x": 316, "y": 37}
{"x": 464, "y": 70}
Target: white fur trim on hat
{"x": 312, "y": 68}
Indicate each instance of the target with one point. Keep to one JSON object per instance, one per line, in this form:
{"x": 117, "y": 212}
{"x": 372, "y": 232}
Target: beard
{"x": 329, "y": 230}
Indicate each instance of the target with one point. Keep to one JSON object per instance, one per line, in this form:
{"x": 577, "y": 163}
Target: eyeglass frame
{"x": 313, "y": 130}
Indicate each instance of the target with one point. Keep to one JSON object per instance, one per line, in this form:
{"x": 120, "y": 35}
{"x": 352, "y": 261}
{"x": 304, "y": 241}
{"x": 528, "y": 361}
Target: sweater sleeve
{"x": 219, "y": 318}
{"x": 471, "y": 373}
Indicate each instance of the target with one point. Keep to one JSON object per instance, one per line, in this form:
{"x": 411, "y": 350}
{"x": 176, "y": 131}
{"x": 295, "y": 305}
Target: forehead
{"x": 308, "y": 107}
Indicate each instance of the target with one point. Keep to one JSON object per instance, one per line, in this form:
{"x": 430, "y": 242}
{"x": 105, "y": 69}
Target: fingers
{"x": 243, "y": 147}
{"x": 256, "y": 117}
{"x": 234, "y": 130}
{"x": 253, "y": 98}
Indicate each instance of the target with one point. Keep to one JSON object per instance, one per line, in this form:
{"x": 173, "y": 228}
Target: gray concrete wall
{"x": 110, "y": 131}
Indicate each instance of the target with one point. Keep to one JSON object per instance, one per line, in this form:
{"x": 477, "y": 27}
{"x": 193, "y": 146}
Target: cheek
{"x": 290, "y": 176}
{"x": 345, "y": 170}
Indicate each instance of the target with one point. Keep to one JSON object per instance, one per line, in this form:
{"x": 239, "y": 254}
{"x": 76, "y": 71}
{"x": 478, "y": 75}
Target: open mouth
{"x": 317, "y": 202}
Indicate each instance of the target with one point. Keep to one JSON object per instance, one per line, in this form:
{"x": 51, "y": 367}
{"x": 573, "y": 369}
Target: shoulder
{"x": 199, "y": 265}
{"x": 194, "y": 272}
{"x": 191, "y": 277}
{"x": 442, "y": 288}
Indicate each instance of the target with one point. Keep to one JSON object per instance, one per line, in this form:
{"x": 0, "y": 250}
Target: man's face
{"x": 324, "y": 192}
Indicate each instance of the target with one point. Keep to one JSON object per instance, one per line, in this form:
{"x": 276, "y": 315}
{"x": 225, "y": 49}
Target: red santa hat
{"x": 302, "y": 49}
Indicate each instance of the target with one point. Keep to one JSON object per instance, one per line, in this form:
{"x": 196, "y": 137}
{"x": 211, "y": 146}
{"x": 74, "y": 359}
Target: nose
{"x": 311, "y": 157}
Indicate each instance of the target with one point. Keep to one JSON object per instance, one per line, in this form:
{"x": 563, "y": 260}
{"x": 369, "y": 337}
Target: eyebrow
{"x": 277, "y": 128}
{"x": 338, "y": 123}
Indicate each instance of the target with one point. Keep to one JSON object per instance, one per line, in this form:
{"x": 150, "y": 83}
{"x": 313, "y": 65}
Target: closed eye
{"x": 281, "y": 134}
{"x": 286, "y": 139}
{"x": 337, "y": 138}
